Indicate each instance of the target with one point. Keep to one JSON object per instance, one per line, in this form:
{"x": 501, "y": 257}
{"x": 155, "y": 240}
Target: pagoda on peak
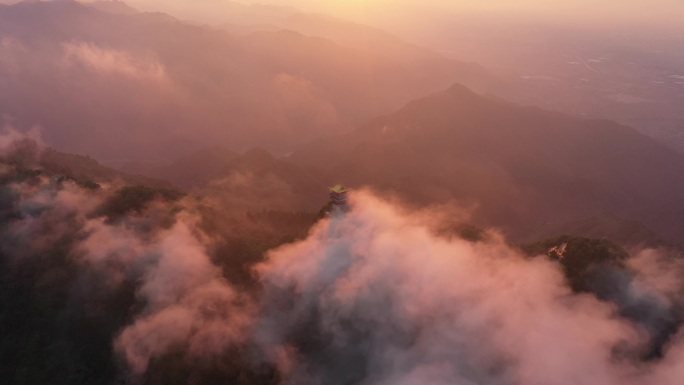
{"x": 339, "y": 195}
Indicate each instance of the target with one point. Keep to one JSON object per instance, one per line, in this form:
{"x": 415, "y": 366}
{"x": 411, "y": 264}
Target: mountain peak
{"x": 113, "y": 6}
{"x": 460, "y": 90}
{"x": 454, "y": 101}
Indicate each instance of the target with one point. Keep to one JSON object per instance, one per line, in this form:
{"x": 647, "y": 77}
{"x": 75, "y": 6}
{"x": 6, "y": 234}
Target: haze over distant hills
{"x": 618, "y": 70}
{"x": 627, "y": 73}
{"x": 145, "y": 85}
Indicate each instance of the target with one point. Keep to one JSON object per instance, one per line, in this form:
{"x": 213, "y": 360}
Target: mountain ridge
{"x": 513, "y": 160}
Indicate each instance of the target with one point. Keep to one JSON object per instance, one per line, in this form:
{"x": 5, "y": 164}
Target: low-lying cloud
{"x": 189, "y": 306}
{"x": 396, "y": 304}
{"x": 372, "y": 296}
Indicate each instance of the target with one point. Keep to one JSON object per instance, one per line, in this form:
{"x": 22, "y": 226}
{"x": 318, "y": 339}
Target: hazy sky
{"x": 655, "y": 12}
{"x": 606, "y": 10}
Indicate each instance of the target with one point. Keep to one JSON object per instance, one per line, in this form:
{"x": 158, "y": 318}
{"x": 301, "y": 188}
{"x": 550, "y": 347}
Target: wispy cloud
{"x": 109, "y": 61}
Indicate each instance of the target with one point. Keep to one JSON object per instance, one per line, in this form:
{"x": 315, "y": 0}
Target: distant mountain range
{"x": 526, "y": 169}
{"x": 140, "y": 85}
{"x": 530, "y": 172}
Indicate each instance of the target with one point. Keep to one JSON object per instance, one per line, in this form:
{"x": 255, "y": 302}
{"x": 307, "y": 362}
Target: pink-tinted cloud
{"x": 109, "y": 61}
{"x": 415, "y": 308}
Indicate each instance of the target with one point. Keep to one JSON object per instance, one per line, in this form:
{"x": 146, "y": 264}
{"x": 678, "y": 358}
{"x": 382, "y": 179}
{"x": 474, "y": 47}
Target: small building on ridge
{"x": 339, "y": 195}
